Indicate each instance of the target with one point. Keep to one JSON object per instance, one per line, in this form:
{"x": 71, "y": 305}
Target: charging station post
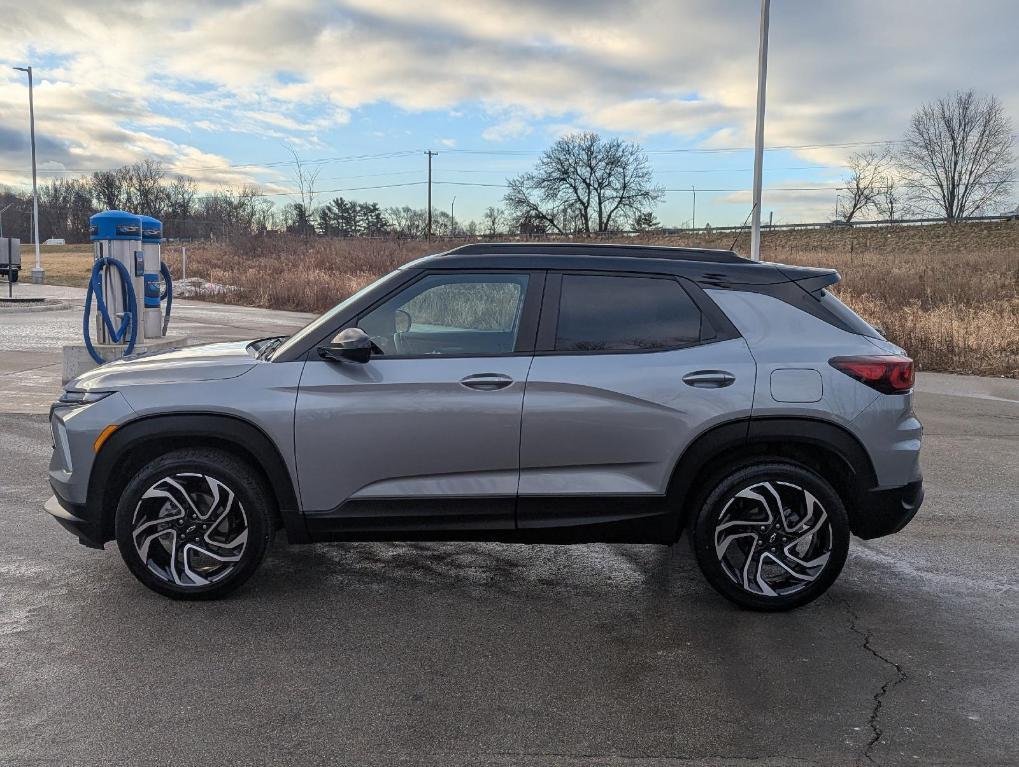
{"x": 124, "y": 286}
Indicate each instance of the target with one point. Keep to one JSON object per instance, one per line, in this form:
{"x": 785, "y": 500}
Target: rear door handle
{"x": 709, "y": 379}
{"x": 486, "y": 381}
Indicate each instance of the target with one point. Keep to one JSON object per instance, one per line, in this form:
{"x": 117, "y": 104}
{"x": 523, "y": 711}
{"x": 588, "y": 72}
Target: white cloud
{"x": 510, "y": 128}
{"x": 125, "y": 71}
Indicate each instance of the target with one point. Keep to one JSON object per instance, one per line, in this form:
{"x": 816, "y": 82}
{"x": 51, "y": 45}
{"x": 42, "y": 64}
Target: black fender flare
{"x": 746, "y": 432}
{"x": 229, "y": 430}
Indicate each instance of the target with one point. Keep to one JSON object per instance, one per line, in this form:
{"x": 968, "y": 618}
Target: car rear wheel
{"x": 194, "y": 523}
{"x": 771, "y": 536}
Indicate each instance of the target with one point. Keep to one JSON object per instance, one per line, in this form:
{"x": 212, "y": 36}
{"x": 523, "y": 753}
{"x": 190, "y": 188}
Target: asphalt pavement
{"x": 489, "y": 654}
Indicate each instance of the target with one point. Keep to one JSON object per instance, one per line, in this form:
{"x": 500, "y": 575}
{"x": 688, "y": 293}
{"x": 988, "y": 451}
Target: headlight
{"x": 82, "y": 397}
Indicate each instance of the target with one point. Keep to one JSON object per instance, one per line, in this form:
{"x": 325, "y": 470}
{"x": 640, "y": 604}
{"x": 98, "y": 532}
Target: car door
{"x": 425, "y": 435}
{"x": 628, "y": 369}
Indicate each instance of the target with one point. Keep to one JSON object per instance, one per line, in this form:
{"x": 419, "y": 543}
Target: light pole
{"x": 762, "y": 78}
{"x": 452, "y": 221}
{"x": 38, "y": 274}
{"x": 5, "y": 207}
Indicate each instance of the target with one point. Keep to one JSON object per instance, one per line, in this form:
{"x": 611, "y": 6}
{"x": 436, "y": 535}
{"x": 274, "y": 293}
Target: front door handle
{"x": 486, "y": 381}
{"x": 709, "y": 379}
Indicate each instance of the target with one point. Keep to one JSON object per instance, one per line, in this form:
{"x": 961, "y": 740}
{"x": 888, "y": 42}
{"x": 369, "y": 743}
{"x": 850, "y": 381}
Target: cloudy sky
{"x": 219, "y": 90}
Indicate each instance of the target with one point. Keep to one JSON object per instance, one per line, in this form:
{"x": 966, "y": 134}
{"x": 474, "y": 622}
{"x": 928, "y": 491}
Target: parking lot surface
{"x": 421, "y": 653}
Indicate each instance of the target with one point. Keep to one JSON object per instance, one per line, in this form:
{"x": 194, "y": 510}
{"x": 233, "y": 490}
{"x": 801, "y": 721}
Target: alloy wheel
{"x": 773, "y": 538}
{"x": 189, "y": 529}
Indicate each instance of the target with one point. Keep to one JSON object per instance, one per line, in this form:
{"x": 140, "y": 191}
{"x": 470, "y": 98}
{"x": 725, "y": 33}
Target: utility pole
{"x": 693, "y": 219}
{"x": 762, "y": 79}
{"x": 37, "y": 273}
{"x": 428, "y": 231}
{"x": 452, "y": 221}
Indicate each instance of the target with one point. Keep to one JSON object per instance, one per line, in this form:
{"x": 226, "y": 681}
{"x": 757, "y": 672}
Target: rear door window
{"x": 610, "y": 313}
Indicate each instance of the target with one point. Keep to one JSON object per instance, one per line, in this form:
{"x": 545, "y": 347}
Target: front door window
{"x": 450, "y": 314}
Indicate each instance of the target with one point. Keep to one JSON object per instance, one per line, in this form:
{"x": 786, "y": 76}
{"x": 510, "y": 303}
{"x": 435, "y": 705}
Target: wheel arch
{"x": 137, "y": 441}
{"x": 823, "y": 446}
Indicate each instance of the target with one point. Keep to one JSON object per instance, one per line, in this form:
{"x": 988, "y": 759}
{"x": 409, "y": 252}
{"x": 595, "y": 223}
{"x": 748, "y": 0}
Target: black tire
{"x": 753, "y": 492}
{"x": 215, "y": 482}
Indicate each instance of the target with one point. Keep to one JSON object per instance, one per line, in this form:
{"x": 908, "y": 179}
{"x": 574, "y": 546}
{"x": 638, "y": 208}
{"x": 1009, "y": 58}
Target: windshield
{"x": 323, "y": 320}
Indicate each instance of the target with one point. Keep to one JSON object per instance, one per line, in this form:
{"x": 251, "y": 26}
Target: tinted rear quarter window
{"x": 621, "y": 313}
{"x": 847, "y": 316}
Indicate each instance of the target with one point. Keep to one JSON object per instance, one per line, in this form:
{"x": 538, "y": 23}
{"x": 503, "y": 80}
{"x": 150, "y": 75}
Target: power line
{"x": 697, "y": 150}
{"x": 491, "y": 152}
{"x": 771, "y": 189}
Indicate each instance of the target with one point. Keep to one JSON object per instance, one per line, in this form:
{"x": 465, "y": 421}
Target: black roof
{"x": 709, "y": 268}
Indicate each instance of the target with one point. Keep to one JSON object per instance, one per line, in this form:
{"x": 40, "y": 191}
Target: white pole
{"x": 762, "y": 78}
{"x": 183, "y": 263}
{"x": 37, "y": 274}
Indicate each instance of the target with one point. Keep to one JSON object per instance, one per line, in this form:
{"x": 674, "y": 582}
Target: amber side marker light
{"x": 103, "y": 436}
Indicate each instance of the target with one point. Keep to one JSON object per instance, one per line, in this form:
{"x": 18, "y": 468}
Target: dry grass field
{"x": 64, "y": 264}
{"x": 955, "y": 313}
{"x": 954, "y": 307}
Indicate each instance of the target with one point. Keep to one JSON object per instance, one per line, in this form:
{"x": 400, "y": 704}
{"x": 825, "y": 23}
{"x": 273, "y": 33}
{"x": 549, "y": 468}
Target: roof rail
{"x": 599, "y": 249}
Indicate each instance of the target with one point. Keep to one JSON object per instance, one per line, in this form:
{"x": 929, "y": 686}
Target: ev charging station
{"x": 116, "y": 280}
{"x": 126, "y": 291}
{"x": 152, "y": 265}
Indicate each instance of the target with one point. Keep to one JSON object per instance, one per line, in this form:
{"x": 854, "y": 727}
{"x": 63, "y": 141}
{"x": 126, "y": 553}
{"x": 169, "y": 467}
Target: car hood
{"x": 211, "y": 362}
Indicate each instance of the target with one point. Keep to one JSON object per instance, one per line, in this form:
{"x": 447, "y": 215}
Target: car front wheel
{"x": 194, "y": 523}
{"x": 771, "y": 536}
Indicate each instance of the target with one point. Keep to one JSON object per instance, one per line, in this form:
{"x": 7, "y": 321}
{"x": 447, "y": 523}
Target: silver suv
{"x": 517, "y": 393}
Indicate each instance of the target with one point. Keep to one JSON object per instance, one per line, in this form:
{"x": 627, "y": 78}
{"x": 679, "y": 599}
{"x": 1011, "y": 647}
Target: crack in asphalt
{"x": 878, "y": 698}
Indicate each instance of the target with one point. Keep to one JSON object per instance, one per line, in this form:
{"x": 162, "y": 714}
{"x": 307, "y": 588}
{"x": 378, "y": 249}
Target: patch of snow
{"x": 194, "y": 287}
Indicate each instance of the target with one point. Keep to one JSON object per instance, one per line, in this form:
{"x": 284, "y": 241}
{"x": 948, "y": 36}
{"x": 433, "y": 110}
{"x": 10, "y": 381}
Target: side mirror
{"x": 350, "y": 345}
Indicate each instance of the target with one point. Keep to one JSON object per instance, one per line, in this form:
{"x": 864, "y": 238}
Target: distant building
{"x": 55, "y": 241}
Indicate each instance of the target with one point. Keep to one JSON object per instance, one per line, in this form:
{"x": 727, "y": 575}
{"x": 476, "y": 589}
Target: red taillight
{"x": 888, "y": 374}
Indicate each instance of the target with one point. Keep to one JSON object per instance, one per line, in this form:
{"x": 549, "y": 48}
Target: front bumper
{"x": 72, "y": 517}
{"x": 884, "y": 511}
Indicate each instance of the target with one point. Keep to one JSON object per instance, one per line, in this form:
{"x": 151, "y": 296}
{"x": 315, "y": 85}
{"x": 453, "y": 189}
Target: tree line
{"x": 65, "y": 206}
{"x": 956, "y": 159}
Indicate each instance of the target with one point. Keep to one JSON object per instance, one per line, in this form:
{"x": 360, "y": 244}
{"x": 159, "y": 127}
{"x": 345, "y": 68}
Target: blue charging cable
{"x": 167, "y": 294}
{"x": 129, "y": 322}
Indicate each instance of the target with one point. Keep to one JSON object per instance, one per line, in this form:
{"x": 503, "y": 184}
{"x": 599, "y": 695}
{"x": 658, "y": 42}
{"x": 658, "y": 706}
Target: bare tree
{"x": 585, "y": 184}
{"x": 889, "y": 200}
{"x": 405, "y": 221}
{"x": 863, "y": 186}
{"x": 145, "y": 192}
{"x": 180, "y": 204}
{"x": 493, "y": 220}
{"x": 958, "y": 155}
{"x": 306, "y": 179}
{"x": 108, "y": 188}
